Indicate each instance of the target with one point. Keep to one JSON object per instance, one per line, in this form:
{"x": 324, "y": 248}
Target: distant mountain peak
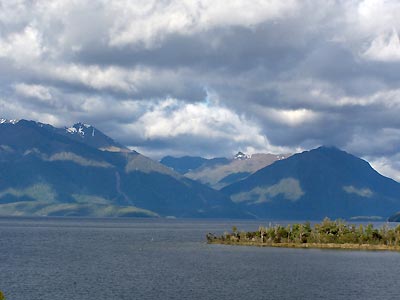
{"x": 8, "y": 121}
{"x": 88, "y": 134}
{"x": 241, "y": 156}
{"x": 81, "y": 129}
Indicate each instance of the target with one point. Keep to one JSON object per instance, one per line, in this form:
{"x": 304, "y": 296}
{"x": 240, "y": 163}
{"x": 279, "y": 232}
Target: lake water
{"x": 168, "y": 259}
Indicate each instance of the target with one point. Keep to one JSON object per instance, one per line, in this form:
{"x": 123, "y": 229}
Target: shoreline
{"x": 309, "y": 245}
{"x": 325, "y": 235}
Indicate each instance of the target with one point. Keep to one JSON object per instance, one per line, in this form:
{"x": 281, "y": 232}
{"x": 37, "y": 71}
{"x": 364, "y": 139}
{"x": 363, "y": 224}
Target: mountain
{"x": 395, "y": 217}
{"x": 91, "y": 136}
{"x": 65, "y": 172}
{"x": 185, "y": 164}
{"x": 52, "y": 171}
{"x": 318, "y": 183}
{"x": 226, "y": 172}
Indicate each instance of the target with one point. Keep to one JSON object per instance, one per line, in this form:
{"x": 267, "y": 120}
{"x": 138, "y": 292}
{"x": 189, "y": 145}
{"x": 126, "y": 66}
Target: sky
{"x": 210, "y": 77}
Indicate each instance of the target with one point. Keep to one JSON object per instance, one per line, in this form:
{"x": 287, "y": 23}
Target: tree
{"x": 262, "y": 230}
{"x": 283, "y": 233}
{"x": 234, "y": 230}
{"x": 210, "y": 237}
{"x": 2, "y": 297}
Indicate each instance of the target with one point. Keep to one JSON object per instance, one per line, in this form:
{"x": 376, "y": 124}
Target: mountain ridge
{"x": 317, "y": 183}
{"x": 44, "y": 171}
{"x": 220, "y": 172}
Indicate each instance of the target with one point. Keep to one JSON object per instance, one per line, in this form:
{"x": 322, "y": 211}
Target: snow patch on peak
{"x": 80, "y": 128}
{"x": 241, "y": 156}
{"x": 71, "y": 130}
{"x": 81, "y": 131}
{"x": 7, "y": 121}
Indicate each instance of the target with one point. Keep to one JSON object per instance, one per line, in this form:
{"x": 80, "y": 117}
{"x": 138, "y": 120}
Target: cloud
{"x": 194, "y": 126}
{"x": 33, "y": 90}
{"x": 387, "y": 165}
{"x": 209, "y": 78}
{"x": 289, "y": 117}
{"x": 22, "y": 47}
{"x": 384, "y": 48}
{"x": 149, "y": 22}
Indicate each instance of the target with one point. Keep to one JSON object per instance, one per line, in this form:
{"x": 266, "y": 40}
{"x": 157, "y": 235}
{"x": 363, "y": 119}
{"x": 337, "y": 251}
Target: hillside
{"x": 52, "y": 172}
{"x": 318, "y": 183}
{"x": 220, "y": 172}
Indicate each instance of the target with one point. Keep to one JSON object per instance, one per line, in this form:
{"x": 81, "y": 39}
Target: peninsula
{"x": 327, "y": 234}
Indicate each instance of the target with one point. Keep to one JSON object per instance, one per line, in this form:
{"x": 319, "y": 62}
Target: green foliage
{"x": 2, "y": 297}
{"x": 328, "y": 231}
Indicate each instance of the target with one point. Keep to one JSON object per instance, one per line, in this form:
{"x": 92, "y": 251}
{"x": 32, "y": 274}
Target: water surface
{"x": 63, "y": 258}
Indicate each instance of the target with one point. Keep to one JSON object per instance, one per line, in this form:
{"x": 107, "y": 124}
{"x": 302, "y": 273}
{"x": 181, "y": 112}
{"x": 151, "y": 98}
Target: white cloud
{"x": 388, "y": 166}
{"x": 385, "y": 47}
{"x": 149, "y": 21}
{"x": 33, "y": 90}
{"x": 290, "y": 73}
{"x": 375, "y": 16}
{"x": 288, "y": 117}
{"x": 101, "y": 78}
{"x": 171, "y": 118}
{"x": 204, "y": 124}
{"x": 23, "y": 47}
{"x": 387, "y": 98}
{"x": 13, "y": 109}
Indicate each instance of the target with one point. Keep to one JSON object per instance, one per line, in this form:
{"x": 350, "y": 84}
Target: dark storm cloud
{"x": 234, "y": 49}
{"x": 209, "y": 78}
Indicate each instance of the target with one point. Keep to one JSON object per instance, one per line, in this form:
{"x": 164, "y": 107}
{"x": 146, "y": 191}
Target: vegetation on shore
{"x": 327, "y": 234}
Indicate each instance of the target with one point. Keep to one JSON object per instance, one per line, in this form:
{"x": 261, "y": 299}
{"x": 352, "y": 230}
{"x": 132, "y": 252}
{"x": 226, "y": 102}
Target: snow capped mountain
{"x": 50, "y": 171}
{"x": 20, "y": 121}
{"x": 88, "y": 134}
{"x": 80, "y": 132}
{"x": 241, "y": 156}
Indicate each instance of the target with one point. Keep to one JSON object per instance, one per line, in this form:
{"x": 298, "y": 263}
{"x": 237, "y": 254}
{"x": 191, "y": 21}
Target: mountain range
{"x": 313, "y": 184}
{"x": 80, "y": 171}
{"x": 220, "y": 172}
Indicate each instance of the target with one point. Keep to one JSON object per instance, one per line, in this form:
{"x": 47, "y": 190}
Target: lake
{"x": 72, "y": 258}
